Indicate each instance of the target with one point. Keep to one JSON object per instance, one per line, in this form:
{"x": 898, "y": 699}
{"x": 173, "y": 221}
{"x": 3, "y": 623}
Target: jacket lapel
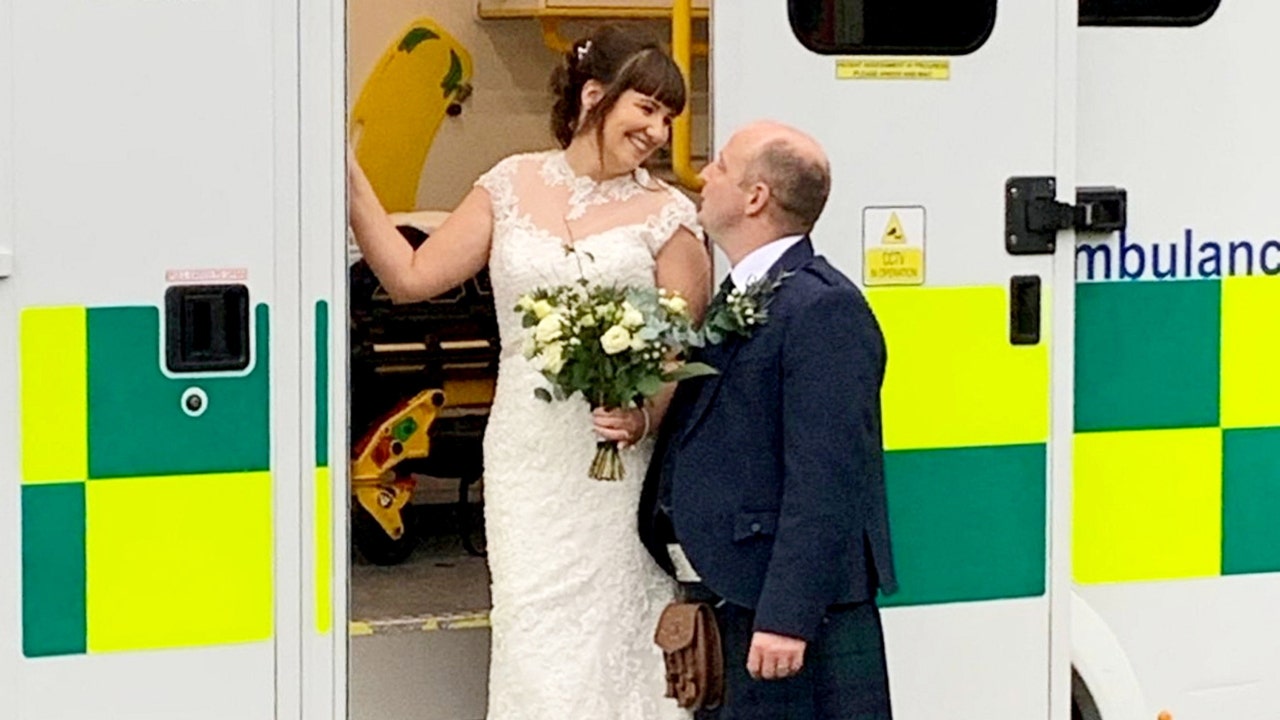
{"x": 721, "y": 356}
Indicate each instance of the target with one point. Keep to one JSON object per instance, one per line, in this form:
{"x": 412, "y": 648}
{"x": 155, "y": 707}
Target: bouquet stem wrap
{"x": 607, "y": 464}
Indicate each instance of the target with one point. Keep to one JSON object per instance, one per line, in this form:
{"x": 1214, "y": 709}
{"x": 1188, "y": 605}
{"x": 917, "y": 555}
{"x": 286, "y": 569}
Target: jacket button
{"x": 755, "y": 527}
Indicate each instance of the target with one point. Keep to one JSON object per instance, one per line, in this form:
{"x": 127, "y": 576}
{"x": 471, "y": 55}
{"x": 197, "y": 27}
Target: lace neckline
{"x": 584, "y": 191}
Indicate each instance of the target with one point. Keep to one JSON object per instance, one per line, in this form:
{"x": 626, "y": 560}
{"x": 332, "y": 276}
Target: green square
{"x": 322, "y": 383}
{"x": 53, "y": 570}
{"x": 1251, "y": 501}
{"x": 1147, "y": 355}
{"x": 967, "y": 524}
{"x": 137, "y": 426}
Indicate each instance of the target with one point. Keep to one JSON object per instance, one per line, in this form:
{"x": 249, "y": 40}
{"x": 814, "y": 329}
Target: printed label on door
{"x": 893, "y": 245}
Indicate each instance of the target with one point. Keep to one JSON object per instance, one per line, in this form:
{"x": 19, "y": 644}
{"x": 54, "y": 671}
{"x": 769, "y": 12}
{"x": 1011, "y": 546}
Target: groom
{"x": 766, "y": 493}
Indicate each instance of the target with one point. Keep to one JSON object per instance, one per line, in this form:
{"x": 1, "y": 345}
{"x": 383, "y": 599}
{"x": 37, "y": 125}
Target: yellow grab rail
{"x": 682, "y": 127}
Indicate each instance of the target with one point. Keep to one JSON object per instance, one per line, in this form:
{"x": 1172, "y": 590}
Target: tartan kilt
{"x": 844, "y": 675}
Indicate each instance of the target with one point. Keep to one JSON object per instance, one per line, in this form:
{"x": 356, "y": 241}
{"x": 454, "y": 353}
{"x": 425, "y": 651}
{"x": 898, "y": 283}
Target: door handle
{"x": 6, "y": 263}
{"x": 1024, "y": 310}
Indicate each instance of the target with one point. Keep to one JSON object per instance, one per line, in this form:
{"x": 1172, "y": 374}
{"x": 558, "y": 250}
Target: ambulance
{"x": 1063, "y": 213}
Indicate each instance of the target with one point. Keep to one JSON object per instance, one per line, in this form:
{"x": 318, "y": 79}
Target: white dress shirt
{"x": 757, "y": 263}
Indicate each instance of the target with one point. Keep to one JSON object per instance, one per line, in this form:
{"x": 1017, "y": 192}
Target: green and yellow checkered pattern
{"x": 966, "y": 422}
{"x": 142, "y": 527}
{"x": 1177, "y": 473}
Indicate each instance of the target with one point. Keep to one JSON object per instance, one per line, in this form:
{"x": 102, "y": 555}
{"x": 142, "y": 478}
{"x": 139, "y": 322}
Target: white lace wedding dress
{"x": 575, "y": 595}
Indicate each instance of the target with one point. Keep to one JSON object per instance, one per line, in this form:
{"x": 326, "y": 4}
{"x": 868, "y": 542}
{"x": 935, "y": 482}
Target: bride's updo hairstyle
{"x": 620, "y": 60}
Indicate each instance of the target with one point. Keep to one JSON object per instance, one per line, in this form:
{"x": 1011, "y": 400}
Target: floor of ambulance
{"x": 440, "y": 587}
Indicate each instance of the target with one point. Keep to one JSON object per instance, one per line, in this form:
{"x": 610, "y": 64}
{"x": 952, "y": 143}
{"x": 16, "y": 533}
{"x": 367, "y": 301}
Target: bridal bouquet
{"x": 615, "y": 345}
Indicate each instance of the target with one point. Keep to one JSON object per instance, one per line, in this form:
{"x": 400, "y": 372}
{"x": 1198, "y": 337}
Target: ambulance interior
{"x": 437, "y": 92}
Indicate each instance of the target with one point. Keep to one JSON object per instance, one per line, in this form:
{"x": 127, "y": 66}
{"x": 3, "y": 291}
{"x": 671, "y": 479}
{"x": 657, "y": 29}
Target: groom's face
{"x": 723, "y": 198}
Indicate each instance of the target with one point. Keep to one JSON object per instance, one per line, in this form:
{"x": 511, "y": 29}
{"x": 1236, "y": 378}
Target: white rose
{"x": 638, "y": 343}
{"x": 676, "y": 305}
{"x": 587, "y": 320}
{"x": 631, "y": 317}
{"x": 615, "y": 340}
{"x": 524, "y": 304}
{"x": 542, "y": 309}
{"x": 606, "y": 311}
{"x": 553, "y": 358}
{"x": 549, "y": 328}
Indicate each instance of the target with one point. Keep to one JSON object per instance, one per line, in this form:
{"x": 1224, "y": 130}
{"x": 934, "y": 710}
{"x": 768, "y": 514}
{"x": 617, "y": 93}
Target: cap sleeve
{"x": 678, "y": 211}
{"x": 499, "y": 181}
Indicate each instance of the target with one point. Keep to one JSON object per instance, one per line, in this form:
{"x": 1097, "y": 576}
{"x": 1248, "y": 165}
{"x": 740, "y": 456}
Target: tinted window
{"x": 912, "y": 27}
{"x": 1146, "y": 12}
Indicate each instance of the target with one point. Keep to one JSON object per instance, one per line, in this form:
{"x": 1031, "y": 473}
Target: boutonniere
{"x": 742, "y": 310}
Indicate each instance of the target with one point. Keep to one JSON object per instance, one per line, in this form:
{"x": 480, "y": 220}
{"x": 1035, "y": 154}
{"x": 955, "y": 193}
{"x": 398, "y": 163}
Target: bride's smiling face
{"x": 635, "y": 127}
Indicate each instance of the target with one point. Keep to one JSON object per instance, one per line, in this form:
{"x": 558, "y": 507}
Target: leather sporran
{"x": 690, "y": 642}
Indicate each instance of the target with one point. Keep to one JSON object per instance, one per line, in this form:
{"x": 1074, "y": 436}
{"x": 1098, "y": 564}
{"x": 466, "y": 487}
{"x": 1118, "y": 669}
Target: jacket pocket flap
{"x": 753, "y": 524}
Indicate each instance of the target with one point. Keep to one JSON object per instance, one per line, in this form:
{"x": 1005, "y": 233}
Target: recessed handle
{"x": 1024, "y": 310}
{"x": 207, "y": 328}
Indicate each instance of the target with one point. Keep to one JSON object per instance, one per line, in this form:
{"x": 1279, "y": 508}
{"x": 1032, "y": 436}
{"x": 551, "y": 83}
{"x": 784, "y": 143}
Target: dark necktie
{"x": 722, "y": 296}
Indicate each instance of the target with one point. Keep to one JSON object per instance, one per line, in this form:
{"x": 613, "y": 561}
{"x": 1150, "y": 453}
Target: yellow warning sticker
{"x": 893, "y": 232}
{"x": 893, "y": 245}
{"x": 893, "y": 68}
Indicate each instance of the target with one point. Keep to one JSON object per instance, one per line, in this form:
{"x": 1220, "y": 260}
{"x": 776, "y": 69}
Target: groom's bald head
{"x": 794, "y": 167}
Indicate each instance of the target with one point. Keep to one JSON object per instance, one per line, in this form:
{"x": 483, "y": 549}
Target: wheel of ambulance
{"x": 375, "y": 545}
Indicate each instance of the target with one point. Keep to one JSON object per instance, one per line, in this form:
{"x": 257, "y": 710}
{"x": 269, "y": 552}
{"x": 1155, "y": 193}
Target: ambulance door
{"x": 325, "y": 491}
{"x": 1177, "y": 478}
{"x": 949, "y": 127}
{"x": 149, "y": 385}
{"x": 10, "y": 466}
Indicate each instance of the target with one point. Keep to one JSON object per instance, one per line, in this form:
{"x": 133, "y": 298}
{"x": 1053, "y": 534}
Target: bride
{"x": 575, "y": 595}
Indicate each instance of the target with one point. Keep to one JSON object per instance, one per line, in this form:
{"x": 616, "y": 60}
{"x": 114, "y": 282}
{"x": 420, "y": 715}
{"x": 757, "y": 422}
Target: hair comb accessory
{"x": 583, "y": 49}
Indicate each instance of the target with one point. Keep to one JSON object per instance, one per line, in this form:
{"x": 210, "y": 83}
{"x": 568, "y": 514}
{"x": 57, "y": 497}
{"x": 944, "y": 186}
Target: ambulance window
{"x": 1146, "y": 12}
{"x": 917, "y": 27}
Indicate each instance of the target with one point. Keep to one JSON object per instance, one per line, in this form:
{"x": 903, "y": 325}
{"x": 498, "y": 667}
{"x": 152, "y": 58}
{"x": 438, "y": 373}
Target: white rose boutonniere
{"x": 742, "y": 310}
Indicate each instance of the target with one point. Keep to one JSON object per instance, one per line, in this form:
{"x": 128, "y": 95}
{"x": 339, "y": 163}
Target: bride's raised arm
{"x": 456, "y": 251}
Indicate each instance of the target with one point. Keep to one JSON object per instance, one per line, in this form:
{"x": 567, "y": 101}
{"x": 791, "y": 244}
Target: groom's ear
{"x": 757, "y": 199}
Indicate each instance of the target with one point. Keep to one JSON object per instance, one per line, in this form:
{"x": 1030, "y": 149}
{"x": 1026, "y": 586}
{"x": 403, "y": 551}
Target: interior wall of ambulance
{"x": 509, "y": 107}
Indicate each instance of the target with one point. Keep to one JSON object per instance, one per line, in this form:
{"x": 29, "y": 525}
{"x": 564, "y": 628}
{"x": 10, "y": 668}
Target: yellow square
{"x": 324, "y": 551}
{"x": 1250, "y": 351}
{"x": 179, "y": 561}
{"x": 1147, "y": 505}
{"x": 55, "y": 405}
{"x": 953, "y": 378}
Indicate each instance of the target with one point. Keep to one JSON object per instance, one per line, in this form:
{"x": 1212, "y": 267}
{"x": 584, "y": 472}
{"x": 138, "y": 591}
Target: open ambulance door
{"x": 160, "y": 166}
{"x": 950, "y": 131}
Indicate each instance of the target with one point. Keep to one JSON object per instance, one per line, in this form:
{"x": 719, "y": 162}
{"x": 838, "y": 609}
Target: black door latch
{"x": 1033, "y": 216}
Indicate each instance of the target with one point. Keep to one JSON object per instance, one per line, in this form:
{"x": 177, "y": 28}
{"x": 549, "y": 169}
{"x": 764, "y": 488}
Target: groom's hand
{"x": 774, "y": 656}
